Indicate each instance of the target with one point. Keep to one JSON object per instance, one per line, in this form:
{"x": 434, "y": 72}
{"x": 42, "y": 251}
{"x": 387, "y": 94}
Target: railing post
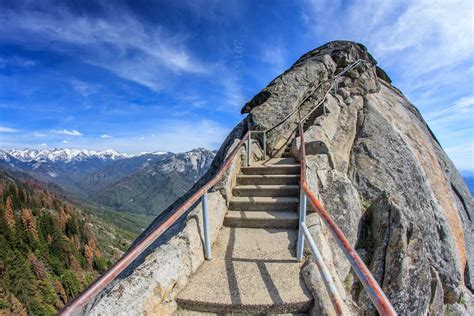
{"x": 205, "y": 220}
{"x": 324, "y": 272}
{"x": 264, "y": 145}
{"x": 302, "y": 220}
{"x": 249, "y": 149}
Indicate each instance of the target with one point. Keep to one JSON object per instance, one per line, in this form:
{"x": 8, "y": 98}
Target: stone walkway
{"x": 254, "y": 269}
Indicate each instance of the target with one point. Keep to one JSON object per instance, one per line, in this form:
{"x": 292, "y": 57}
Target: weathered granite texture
{"x": 378, "y": 170}
{"x": 384, "y": 179}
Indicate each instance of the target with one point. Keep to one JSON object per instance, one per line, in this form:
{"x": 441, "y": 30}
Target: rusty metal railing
{"x": 375, "y": 292}
{"x": 334, "y": 80}
{"x": 75, "y": 306}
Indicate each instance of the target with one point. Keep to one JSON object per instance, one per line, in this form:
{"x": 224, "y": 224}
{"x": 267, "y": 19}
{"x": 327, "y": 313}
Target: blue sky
{"x": 172, "y": 75}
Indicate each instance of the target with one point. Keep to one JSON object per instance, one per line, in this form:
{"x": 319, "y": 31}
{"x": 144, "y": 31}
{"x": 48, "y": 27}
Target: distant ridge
{"x": 144, "y": 183}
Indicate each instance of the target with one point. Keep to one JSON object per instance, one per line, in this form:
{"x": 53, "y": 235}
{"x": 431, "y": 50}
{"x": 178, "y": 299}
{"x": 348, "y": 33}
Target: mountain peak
{"x": 62, "y": 154}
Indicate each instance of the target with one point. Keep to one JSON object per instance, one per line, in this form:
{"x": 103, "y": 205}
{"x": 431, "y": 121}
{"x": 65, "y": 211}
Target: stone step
{"x": 266, "y": 190}
{"x": 187, "y": 312}
{"x": 262, "y": 219}
{"x": 245, "y": 179}
{"x": 263, "y": 203}
{"x": 276, "y": 161}
{"x": 253, "y": 271}
{"x": 274, "y": 169}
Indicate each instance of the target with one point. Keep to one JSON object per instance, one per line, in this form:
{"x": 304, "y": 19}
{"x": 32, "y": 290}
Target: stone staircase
{"x": 254, "y": 268}
{"x": 310, "y": 121}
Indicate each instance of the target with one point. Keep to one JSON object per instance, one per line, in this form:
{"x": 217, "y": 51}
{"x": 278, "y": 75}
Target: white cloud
{"x": 165, "y": 135}
{"x": 463, "y": 155}
{"x": 85, "y": 89}
{"x": 428, "y": 34}
{"x": 462, "y": 109}
{"x": 4, "y": 129}
{"x": 426, "y": 46}
{"x": 16, "y": 62}
{"x": 118, "y": 42}
{"x": 39, "y": 134}
{"x": 67, "y": 132}
{"x": 105, "y": 136}
{"x": 274, "y": 55}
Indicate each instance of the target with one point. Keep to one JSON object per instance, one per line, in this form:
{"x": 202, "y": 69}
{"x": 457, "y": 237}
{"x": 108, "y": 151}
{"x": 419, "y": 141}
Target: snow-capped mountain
{"x": 66, "y": 155}
{"x": 140, "y": 183}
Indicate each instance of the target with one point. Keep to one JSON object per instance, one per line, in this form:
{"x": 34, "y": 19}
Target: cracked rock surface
{"x": 385, "y": 180}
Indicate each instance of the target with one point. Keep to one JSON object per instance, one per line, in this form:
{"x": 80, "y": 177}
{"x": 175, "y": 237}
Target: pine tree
{"x": 89, "y": 255}
{"x": 38, "y": 266}
{"x": 62, "y": 218}
{"x": 70, "y": 283}
{"x": 16, "y": 307}
{"x": 60, "y": 291}
{"x": 9, "y": 215}
{"x": 29, "y": 223}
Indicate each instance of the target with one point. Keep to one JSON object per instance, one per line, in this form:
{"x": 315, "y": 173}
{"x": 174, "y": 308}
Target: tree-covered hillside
{"x": 48, "y": 249}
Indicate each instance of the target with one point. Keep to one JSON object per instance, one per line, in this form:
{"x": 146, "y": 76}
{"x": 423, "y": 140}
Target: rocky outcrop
{"x": 385, "y": 180}
{"x": 379, "y": 171}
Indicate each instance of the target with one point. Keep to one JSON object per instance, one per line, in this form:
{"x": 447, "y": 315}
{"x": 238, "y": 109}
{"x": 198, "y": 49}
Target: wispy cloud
{"x": 67, "y": 132}
{"x": 83, "y": 88}
{"x": 274, "y": 55}
{"x": 39, "y": 134}
{"x": 462, "y": 109}
{"x": 430, "y": 34}
{"x": 4, "y": 129}
{"x": 426, "y": 46}
{"x": 175, "y": 135}
{"x": 16, "y": 62}
{"x": 105, "y": 136}
{"x": 118, "y": 42}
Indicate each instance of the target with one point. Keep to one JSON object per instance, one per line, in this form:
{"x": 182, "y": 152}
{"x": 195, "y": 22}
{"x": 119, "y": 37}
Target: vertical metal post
{"x": 324, "y": 272}
{"x": 264, "y": 145}
{"x": 205, "y": 220}
{"x": 249, "y": 149}
{"x": 302, "y": 220}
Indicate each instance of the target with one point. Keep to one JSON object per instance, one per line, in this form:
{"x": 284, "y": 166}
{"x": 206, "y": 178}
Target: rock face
{"x": 379, "y": 171}
{"x": 384, "y": 179}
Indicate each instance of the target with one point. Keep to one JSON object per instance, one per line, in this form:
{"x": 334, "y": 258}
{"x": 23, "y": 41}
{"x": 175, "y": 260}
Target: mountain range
{"x": 67, "y": 214}
{"x": 144, "y": 183}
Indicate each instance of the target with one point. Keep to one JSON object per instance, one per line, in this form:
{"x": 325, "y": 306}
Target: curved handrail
{"x": 373, "y": 289}
{"x": 333, "y": 79}
{"x": 133, "y": 253}
{"x": 298, "y": 108}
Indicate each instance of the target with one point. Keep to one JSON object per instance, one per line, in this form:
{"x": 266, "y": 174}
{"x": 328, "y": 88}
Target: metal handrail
{"x": 298, "y": 108}
{"x": 373, "y": 289}
{"x": 133, "y": 253}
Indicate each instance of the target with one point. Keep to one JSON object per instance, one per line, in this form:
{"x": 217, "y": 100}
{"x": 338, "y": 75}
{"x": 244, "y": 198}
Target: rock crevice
{"x": 383, "y": 161}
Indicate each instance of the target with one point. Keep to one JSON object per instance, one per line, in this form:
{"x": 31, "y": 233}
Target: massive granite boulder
{"x": 378, "y": 169}
{"x": 385, "y": 180}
